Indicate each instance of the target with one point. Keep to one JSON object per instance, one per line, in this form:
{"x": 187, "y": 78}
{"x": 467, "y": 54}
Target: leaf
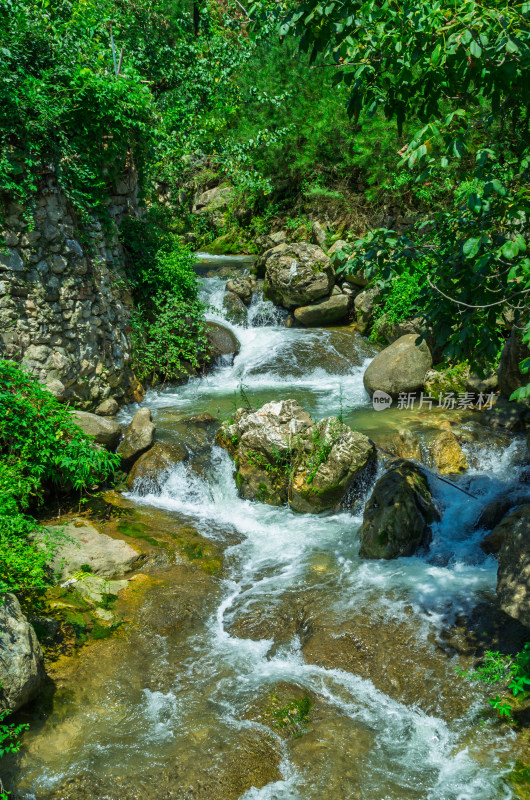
{"x": 474, "y": 203}
{"x": 475, "y": 49}
{"x": 510, "y": 250}
{"x": 471, "y": 247}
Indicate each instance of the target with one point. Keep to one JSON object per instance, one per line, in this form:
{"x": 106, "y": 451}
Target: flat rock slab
{"x": 84, "y": 546}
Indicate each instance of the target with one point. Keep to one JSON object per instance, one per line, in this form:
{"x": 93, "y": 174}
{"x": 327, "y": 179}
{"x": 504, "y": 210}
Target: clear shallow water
{"x": 151, "y": 699}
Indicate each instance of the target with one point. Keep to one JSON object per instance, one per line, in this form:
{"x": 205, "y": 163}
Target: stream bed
{"x": 285, "y": 667}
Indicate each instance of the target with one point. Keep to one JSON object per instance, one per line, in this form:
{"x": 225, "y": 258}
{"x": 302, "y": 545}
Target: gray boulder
{"x": 364, "y": 304}
{"x": 282, "y": 456}
{"x": 137, "y": 438}
{"x": 398, "y": 515}
{"x": 324, "y": 312}
{"x": 335, "y": 460}
{"x": 243, "y": 287}
{"x": 82, "y": 545}
{"x": 400, "y": 367}
{"x": 21, "y": 662}
{"x": 221, "y": 341}
{"x": 108, "y": 408}
{"x": 297, "y": 274}
{"x": 148, "y": 471}
{"x": 513, "y": 576}
{"x": 104, "y": 431}
{"x": 318, "y": 233}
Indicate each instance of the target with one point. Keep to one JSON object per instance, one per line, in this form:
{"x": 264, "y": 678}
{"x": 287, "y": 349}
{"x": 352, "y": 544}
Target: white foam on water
{"x": 412, "y": 752}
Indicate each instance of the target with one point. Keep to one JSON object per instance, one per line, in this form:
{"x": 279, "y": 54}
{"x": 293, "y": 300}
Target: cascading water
{"x": 173, "y": 701}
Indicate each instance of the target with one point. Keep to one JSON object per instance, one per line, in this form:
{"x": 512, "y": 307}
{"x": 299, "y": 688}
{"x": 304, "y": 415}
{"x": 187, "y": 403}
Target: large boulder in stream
{"x": 21, "y": 662}
{"x": 398, "y": 515}
{"x": 297, "y": 274}
{"x": 148, "y": 472}
{"x": 235, "y": 309}
{"x": 221, "y": 341}
{"x": 282, "y": 456}
{"x": 513, "y": 577}
{"x": 324, "y": 312}
{"x": 401, "y": 367}
{"x": 137, "y": 438}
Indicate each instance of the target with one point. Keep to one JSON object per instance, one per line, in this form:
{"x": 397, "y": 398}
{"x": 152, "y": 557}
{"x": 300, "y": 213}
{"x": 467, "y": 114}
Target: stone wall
{"x": 64, "y": 307}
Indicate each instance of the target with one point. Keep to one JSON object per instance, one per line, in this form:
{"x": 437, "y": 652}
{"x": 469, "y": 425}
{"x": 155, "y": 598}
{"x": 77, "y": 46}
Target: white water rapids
{"x": 377, "y": 748}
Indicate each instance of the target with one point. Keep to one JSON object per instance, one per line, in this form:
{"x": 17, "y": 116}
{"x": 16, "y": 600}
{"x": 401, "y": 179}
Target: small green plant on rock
{"x": 293, "y": 717}
{"x": 498, "y": 668}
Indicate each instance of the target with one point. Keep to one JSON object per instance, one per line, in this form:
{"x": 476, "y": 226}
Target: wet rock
{"x": 506, "y": 416}
{"x": 494, "y": 512}
{"x": 21, "y": 662}
{"x": 448, "y": 456}
{"x": 405, "y": 444}
{"x": 221, "y": 340}
{"x": 401, "y": 367}
{"x": 149, "y": 470}
{"x": 137, "y": 438}
{"x": 108, "y": 408}
{"x": 181, "y": 604}
{"x": 389, "y": 651}
{"x": 199, "y": 419}
{"x": 242, "y": 767}
{"x": 243, "y": 287}
{"x": 82, "y": 546}
{"x": 364, "y": 304}
{"x": 337, "y": 461}
{"x": 236, "y": 310}
{"x": 283, "y": 456}
{"x": 398, "y": 514}
{"x": 297, "y": 274}
{"x": 513, "y": 577}
{"x": 324, "y": 312}
{"x": 509, "y": 374}
{"x": 105, "y": 431}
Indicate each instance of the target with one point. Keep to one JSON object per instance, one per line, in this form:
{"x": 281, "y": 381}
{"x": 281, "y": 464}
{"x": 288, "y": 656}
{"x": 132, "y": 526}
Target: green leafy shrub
{"x": 167, "y": 327}
{"x": 41, "y": 449}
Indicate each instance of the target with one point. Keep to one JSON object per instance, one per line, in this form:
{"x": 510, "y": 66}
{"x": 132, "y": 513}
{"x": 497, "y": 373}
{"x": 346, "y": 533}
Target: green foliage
{"x": 496, "y": 667}
{"x": 9, "y": 735}
{"x": 476, "y": 245}
{"x": 41, "y": 448}
{"x": 167, "y": 328}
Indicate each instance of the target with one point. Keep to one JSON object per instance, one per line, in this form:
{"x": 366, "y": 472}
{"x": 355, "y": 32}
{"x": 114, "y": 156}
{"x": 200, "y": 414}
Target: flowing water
{"x": 174, "y": 706}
